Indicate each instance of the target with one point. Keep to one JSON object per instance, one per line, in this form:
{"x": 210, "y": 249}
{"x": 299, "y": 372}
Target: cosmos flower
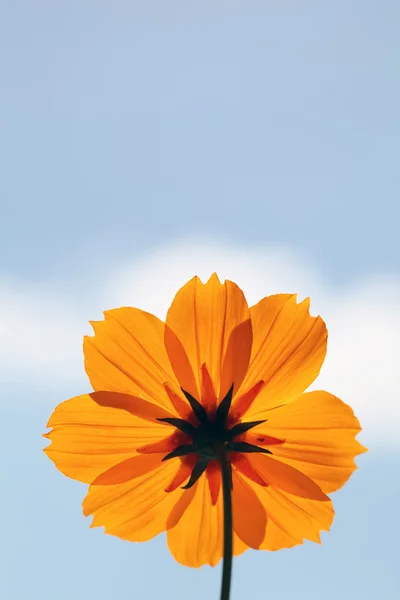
{"x": 217, "y": 386}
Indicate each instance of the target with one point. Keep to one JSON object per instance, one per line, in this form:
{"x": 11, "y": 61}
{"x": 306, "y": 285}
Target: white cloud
{"x": 41, "y": 332}
{"x": 41, "y": 335}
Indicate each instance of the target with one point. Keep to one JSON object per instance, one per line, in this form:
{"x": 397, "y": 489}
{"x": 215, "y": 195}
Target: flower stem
{"x": 228, "y": 524}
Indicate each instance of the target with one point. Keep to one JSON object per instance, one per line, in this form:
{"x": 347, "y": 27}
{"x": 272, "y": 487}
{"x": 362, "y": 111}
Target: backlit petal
{"x": 319, "y": 438}
{"x": 136, "y": 510}
{"x": 88, "y": 439}
{"x": 241, "y": 462}
{"x": 127, "y": 355}
{"x": 292, "y": 519}
{"x": 208, "y": 395}
{"x": 212, "y": 323}
{"x": 166, "y": 445}
{"x": 183, "y": 473}
{"x": 195, "y": 528}
{"x": 249, "y": 516}
{"x": 288, "y": 350}
{"x": 128, "y": 469}
{"x": 214, "y": 479}
{"x": 286, "y": 478}
{"x": 132, "y": 404}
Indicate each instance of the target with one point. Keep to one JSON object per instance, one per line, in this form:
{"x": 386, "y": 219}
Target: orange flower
{"x": 217, "y": 377}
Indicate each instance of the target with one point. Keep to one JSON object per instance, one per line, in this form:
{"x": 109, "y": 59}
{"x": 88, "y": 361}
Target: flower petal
{"x": 164, "y": 446}
{"x": 183, "y": 473}
{"x": 208, "y": 395}
{"x": 127, "y": 355}
{"x": 88, "y": 439}
{"x": 136, "y": 510}
{"x": 289, "y": 347}
{"x": 128, "y": 469}
{"x": 319, "y": 433}
{"x": 132, "y": 404}
{"x": 195, "y": 528}
{"x": 212, "y": 323}
{"x": 249, "y": 516}
{"x": 242, "y": 464}
{"x": 214, "y": 480}
{"x": 286, "y": 478}
{"x": 292, "y": 519}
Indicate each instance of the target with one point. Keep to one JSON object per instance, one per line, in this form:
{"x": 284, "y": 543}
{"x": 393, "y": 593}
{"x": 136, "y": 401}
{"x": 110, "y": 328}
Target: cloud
{"x": 41, "y": 329}
{"x": 40, "y": 333}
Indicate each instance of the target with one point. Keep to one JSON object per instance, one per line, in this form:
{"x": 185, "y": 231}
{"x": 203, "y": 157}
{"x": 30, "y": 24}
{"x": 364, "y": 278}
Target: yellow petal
{"x": 292, "y": 519}
{"x": 88, "y": 439}
{"x": 212, "y": 323}
{"x": 249, "y": 516}
{"x": 289, "y": 347}
{"x": 319, "y": 433}
{"x": 132, "y": 404}
{"x": 127, "y": 355}
{"x": 195, "y": 528}
{"x": 286, "y": 478}
{"x": 181, "y": 506}
{"x": 136, "y": 510}
{"x": 128, "y": 469}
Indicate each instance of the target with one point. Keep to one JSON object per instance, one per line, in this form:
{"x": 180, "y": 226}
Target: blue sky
{"x": 141, "y": 143}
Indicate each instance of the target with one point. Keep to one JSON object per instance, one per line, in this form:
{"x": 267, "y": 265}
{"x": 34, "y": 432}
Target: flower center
{"x": 211, "y": 438}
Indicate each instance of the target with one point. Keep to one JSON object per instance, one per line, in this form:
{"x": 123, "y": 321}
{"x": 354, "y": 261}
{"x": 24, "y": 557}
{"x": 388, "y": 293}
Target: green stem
{"x": 228, "y": 525}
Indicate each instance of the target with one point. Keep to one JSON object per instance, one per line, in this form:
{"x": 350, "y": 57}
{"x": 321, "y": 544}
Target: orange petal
{"x": 127, "y": 355}
{"x": 195, "y": 528}
{"x": 212, "y": 322}
{"x": 292, "y": 519}
{"x": 243, "y": 402}
{"x": 132, "y": 404}
{"x": 237, "y": 357}
{"x": 208, "y": 395}
{"x": 289, "y": 348}
{"x": 184, "y": 471}
{"x": 164, "y": 446}
{"x": 319, "y": 432}
{"x": 88, "y": 439}
{"x": 129, "y": 469}
{"x": 249, "y": 516}
{"x": 261, "y": 439}
{"x": 180, "y": 507}
{"x": 214, "y": 480}
{"x": 242, "y": 464}
{"x": 180, "y": 404}
{"x": 180, "y": 362}
{"x": 286, "y": 478}
{"x": 136, "y": 510}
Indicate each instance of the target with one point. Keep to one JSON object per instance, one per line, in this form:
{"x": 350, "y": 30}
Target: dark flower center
{"x": 211, "y": 438}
